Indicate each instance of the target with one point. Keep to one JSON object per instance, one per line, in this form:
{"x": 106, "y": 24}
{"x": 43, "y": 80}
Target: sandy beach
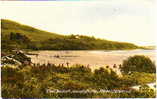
{"x": 89, "y": 58}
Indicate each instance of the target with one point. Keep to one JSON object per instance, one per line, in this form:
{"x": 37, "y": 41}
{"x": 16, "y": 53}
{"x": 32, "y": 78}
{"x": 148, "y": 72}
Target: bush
{"x": 138, "y": 63}
{"x": 106, "y": 79}
{"x": 138, "y": 78}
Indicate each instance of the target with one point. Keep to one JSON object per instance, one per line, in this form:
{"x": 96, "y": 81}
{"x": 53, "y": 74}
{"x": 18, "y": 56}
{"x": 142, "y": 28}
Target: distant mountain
{"x": 19, "y": 36}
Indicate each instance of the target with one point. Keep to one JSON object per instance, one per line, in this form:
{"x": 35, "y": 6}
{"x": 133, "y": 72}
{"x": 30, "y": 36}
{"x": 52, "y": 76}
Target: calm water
{"x": 94, "y": 58}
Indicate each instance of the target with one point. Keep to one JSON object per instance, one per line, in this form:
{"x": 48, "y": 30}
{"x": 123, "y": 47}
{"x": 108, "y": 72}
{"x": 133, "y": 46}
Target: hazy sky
{"x": 118, "y": 20}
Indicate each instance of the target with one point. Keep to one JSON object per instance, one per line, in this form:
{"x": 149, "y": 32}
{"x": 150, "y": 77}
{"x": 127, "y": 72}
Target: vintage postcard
{"x": 78, "y": 49}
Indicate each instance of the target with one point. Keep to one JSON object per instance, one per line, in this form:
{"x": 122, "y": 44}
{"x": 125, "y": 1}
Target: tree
{"x": 19, "y": 37}
{"x": 138, "y": 63}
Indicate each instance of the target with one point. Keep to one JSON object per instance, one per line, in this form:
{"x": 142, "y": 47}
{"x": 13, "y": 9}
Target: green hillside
{"x": 34, "y": 34}
{"x": 15, "y": 35}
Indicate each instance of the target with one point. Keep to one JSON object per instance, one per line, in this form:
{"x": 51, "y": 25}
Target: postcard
{"x": 78, "y": 49}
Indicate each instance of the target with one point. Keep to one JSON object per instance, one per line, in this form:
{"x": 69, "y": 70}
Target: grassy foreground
{"x": 41, "y": 81}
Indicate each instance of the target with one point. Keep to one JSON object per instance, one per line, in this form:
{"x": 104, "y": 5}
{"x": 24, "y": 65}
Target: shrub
{"x": 105, "y": 79}
{"x": 138, "y": 63}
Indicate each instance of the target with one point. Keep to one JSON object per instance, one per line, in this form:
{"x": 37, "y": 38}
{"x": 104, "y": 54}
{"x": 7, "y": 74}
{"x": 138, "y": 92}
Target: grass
{"x": 34, "y": 81}
{"x": 34, "y": 34}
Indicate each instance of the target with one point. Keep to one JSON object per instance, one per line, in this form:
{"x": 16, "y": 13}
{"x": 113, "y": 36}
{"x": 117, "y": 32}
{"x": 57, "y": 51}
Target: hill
{"x": 148, "y": 47}
{"x": 18, "y": 36}
{"x": 34, "y": 34}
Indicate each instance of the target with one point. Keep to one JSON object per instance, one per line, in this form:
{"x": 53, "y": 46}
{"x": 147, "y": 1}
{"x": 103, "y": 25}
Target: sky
{"x": 117, "y": 20}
